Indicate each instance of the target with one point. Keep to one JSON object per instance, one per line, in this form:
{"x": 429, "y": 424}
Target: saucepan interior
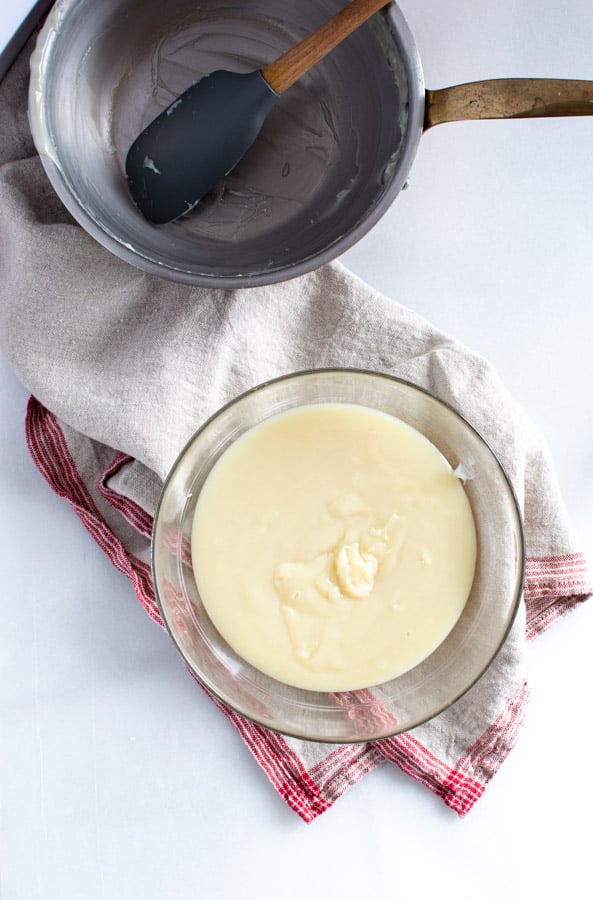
{"x": 331, "y": 157}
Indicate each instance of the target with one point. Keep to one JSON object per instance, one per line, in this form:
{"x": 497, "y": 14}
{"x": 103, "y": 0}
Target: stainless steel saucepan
{"x": 331, "y": 158}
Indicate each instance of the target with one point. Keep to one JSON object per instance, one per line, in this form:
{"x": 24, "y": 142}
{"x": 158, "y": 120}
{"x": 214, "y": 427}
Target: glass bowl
{"x": 419, "y": 694}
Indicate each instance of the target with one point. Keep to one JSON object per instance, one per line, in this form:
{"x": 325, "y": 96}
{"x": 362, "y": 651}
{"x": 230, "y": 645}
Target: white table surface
{"x": 118, "y": 778}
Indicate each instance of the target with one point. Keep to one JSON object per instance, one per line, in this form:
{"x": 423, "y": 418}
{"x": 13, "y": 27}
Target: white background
{"x": 118, "y": 778}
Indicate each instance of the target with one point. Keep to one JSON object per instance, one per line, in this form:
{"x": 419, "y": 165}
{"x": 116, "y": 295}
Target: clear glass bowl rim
{"x": 210, "y": 688}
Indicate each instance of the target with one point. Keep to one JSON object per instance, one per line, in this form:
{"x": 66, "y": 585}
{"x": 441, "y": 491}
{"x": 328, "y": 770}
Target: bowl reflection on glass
{"x": 405, "y": 701}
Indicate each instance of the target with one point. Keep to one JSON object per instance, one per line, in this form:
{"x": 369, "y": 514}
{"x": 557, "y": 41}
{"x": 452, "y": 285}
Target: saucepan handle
{"x": 509, "y": 98}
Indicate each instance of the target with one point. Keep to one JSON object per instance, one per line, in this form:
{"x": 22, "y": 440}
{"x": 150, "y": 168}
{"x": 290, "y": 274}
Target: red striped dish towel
{"x": 310, "y": 777}
{"x": 123, "y": 367}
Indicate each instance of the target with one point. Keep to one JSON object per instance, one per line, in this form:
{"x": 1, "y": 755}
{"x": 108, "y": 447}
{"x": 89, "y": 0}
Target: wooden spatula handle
{"x": 291, "y": 65}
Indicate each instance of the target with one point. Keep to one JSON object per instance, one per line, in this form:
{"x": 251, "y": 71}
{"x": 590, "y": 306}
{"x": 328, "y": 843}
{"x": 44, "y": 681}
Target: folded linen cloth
{"x": 123, "y": 367}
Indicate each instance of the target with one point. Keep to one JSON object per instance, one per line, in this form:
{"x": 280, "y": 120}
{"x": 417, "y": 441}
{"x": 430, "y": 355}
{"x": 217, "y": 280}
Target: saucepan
{"x": 332, "y": 156}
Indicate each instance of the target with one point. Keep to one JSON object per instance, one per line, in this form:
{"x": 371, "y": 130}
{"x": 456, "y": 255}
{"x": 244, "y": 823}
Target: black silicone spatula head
{"x": 172, "y": 164}
{"x": 204, "y": 133}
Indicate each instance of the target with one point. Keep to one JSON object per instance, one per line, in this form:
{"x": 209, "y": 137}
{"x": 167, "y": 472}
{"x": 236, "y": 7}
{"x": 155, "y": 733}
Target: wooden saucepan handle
{"x": 282, "y": 73}
{"x": 509, "y": 98}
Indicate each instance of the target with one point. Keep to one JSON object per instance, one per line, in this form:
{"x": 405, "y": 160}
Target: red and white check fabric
{"x": 553, "y": 586}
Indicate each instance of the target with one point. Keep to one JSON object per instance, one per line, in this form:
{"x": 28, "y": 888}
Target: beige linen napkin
{"x": 123, "y": 367}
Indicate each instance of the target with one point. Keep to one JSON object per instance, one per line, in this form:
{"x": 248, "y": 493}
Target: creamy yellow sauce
{"x": 333, "y": 546}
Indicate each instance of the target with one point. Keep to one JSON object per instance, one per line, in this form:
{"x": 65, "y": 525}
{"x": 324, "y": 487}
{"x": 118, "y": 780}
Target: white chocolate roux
{"x": 334, "y": 547}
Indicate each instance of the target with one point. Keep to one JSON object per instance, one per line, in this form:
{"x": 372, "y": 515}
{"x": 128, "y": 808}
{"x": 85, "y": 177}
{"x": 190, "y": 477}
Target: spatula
{"x": 202, "y": 135}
